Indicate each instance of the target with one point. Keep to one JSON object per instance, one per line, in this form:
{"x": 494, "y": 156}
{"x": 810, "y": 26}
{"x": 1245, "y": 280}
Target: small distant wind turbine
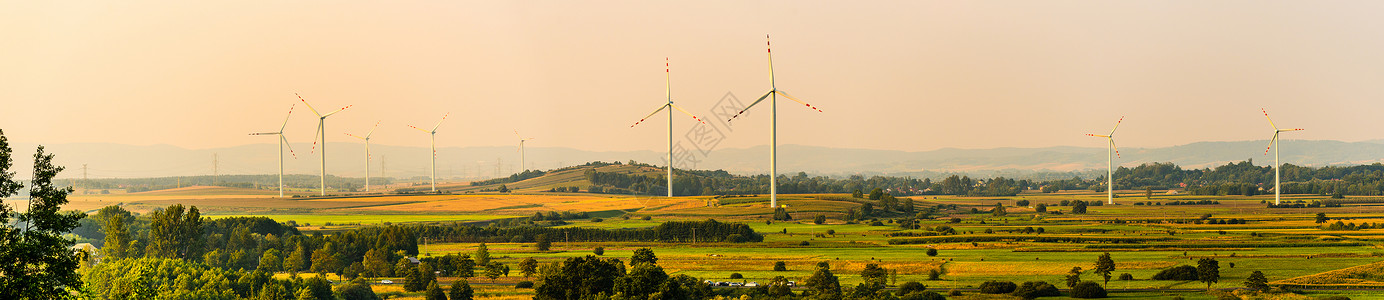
{"x": 432, "y": 134}
{"x": 668, "y": 92}
{"x": 522, "y": 139}
{"x": 773, "y": 94}
{"x": 1274, "y": 142}
{"x": 321, "y": 132}
{"x": 282, "y": 142}
{"x": 1110, "y": 162}
{"x": 366, "y": 138}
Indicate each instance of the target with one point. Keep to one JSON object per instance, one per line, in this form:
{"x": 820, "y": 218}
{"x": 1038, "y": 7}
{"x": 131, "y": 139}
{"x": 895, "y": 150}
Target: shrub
{"x": 1088, "y": 289}
{"x": 910, "y": 287}
{"x": 598, "y": 251}
{"x": 780, "y": 266}
{"x": 524, "y": 285}
{"x": 998, "y": 287}
{"x": 1126, "y": 276}
{"x": 934, "y": 274}
{"x": 803, "y": 243}
{"x": 1035, "y": 289}
{"x": 646, "y": 218}
{"x": 736, "y": 276}
{"x": 931, "y": 251}
{"x": 1183, "y": 272}
{"x": 954, "y": 293}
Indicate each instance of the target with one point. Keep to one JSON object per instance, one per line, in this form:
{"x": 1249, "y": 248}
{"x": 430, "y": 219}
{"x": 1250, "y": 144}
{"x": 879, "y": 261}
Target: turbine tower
{"x": 522, "y": 166}
{"x": 282, "y": 141}
{"x": 321, "y": 132}
{"x": 1110, "y": 162}
{"x": 432, "y": 135}
{"x": 366, "y": 138}
{"x": 773, "y": 94}
{"x": 1274, "y": 142}
{"x": 667, "y": 88}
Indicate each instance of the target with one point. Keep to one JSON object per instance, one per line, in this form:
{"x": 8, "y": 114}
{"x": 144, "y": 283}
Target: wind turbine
{"x": 522, "y": 166}
{"x": 282, "y": 141}
{"x": 322, "y": 132}
{"x": 667, "y": 89}
{"x": 366, "y": 138}
{"x": 432, "y": 135}
{"x": 773, "y": 94}
{"x": 1274, "y": 142}
{"x": 1110, "y": 162}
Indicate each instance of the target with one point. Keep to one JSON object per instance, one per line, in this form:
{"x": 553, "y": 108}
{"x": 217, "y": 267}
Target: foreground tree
{"x": 434, "y": 292}
{"x": 823, "y": 283}
{"x": 528, "y": 267}
{"x": 1104, "y": 266}
{"x": 38, "y": 263}
{"x": 1208, "y": 271}
{"x": 578, "y": 277}
{"x": 461, "y": 290}
{"x": 1073, "y": 277}
{"x": 1257, "y": 282}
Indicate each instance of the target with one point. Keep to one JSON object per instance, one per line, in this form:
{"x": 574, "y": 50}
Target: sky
{"x": 892, "y": 75}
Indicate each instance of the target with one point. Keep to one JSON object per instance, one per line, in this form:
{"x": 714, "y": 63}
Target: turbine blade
{"x": 290, "y": 146}
{"x": 1266, "y": 116}
{"x": 1117, "y": 126}
{"x": 439, "y": 122}
{"x": 355, "y": 136}
{"x": 305, "y": 102}
{"x": 1097, "y": 135}
{"x": 1271, "y": 141}
{"x": 761, "y": 99}
{"x": 315, "y": 134}
{"x": 266, "y": 133}
{"x": 795, "y": 99}
{"x": 1291, "y": 129}
{"x": 337, "y": 111}
{"x": 420, "y": 129}
{"x": 1112, "y": 146}
{"x": 684, "y": 111}
{"x": 372, "y": 129}
{"x": 641, "y": 120}
{"x": 290, "y": 114}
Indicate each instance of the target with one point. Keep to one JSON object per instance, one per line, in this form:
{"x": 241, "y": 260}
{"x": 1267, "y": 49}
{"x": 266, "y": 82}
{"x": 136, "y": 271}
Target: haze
{"x": 890, "y": 75}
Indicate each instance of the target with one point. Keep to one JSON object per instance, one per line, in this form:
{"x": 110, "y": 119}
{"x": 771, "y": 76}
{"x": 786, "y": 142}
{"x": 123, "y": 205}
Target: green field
{"x": 317, "y": 220}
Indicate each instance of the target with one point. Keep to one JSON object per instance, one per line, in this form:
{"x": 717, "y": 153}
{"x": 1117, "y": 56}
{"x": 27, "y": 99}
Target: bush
{"x": 598, "y": 251}
{"x": 524, "y": 285}
{"x": 780, "y": 266}
{"x": 1183, "y": 272}
{"x": 1035, "y": 289}
{"x": 954, "y": 293}
{"x": 931, "y": 251}
{"x": 1088, "y": 289}
{"x": 736, "y": 276}
{"x": 646, "y": 218}
{"x": 1126, "y": 276}
{"x": 934, "y": 274}
{"x": 910, "y": 287}
{"x": 998, "y": 287}
{"x": 803, "y": 243}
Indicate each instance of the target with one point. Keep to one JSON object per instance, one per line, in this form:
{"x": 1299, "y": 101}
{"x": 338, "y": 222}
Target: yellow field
{"x": 511, "y": 203}
{"x": 1369, "y": 274}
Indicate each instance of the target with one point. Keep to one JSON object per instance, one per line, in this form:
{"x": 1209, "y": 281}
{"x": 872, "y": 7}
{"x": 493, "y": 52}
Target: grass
{"x": 317, "y": 220}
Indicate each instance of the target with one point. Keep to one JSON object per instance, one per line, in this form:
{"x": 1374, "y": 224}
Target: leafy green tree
{"x": 819, "y": 219}
{"x": 528, "y": 267}
{"x": 1079, "y": 207}
{"x": 823, "y": 283}
{"x": 175, "y": 233}
{"x": 319, "y": 288}
{"x": 578, "y": 276}
{"x": 494, "y": 270}
{"x": 465, "y": 266}
{"x": 434, "y": 292}
{"x": 461, "y": 290}
{"x": 376, "y": 264}
{"x": 37, "y": 261}
{"x": 998, "y": 211}
{"x": 1088, "y": 289}
{"x": 270, "y": 261}
{"x": 413, "y": 280}
{"x": 426, "y": 274}
{"x": 1208, "y": 271}
{"x": 874, "y": 276}
{"x": 643, "y": 255}
{"x": 1321, "y": 218}
{"x": 325, "y": 260}
{"x": 116, "y": 225}
{"x": 1104, "y": 266}
{"x": 1073, "y": 277}
{"x": 931, "y": 251}
{"x": 296, "y": 260}
{"x": 643, "y": 279}
{"x": 482, "y": 255}
{"x": 1256, "y": 281}
{"x": 1148, "y": 193}
{"x": 358, "y": 290}
{"x": 541, "y": 242}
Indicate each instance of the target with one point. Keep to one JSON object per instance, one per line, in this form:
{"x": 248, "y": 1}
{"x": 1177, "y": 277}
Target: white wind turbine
{"x": 366, "y": 138}
{"x": 1110, "y": 162}
{"x": 773, "y": 94}
{"x": 321, "y": 132}
{"x": 432, "y": 135}
{"x": 1276, "y": 165}
{"x": 667, "y": 88}
{"x": 282, "y": 142}
{"x": 522, "y": 139}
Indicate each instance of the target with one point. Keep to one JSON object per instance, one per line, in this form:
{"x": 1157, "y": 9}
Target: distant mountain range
{"x": 346, "y": 159}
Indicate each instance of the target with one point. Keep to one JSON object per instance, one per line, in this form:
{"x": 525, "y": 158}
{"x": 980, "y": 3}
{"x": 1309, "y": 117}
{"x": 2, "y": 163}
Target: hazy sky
{"x": 908, "y": 75}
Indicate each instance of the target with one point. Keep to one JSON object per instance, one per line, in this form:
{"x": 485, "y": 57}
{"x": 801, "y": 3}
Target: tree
{"x": 465, "y": 266}
{"x": 426, "y": 274}
{"x": 1035, "y": 289}
{"x": 578, "y": 276}
{"x": 296, "y": 260}
{"x": 1321, "y": 218}
{"x": 1073, "y": 277}
{"x": 911, "y": 287}
{"x": 823, "y": 283}
{"x": 175, "y": 233}
{"x": 1040, "y": 207}
{"x": 876, "y": 194}
{"x": 1208, "y": 271}
{"x": 541, "y": 242}
{"x": 997, "y": 287}
{"x": 874, "y": 276}
{"x": 819, "y": 219}
{"x": 482, "y": 255}
{"x": 1104, "y": 266}
{"x": 270, "y": 261}
{"x": 642, "y": 280}
{"x": 434, "y": 292}
{"x": 1257, "y": 282}
{"x": 324, "y": 260}
{"x": 781, "y": 214}
{"x": 1148, "y": 193}
{"x": 117, "y": 228}
{"x": 37, "y": 261}
{"x": 643, "y": 255}
{"x": 357, "y": 290}
{"x": 318, "y": 288}
{"x": 494, "y": 270}
{"x": 598, "y": 251}
{"x": 376, "y": 264}
{"x": 998, "y": 211}
{"x": 504, "y": 189}
{"x": 931, "y": 251}
{"x": 857, "y": 194}
{"x": 528, "y": 267}
{"x": 1088, "y": 289}
{"x": 461, "y": 290}
{"x": 780, "y": 266}
{"x": 1079, "y": 207}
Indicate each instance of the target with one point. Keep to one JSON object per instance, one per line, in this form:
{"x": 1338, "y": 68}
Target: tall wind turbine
{"x": 432, "y": 135}
{"x": 282, "y": 142}
{"x": 1110, "y": 162}
{"x": 366, "y": 138}
{"x": 522, "y": 139}
{"x": 1274, "y": 142}
{"x": 321, "y": 132}
{"x": 668, "y": 92}
{"x": 773, "y": 94}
